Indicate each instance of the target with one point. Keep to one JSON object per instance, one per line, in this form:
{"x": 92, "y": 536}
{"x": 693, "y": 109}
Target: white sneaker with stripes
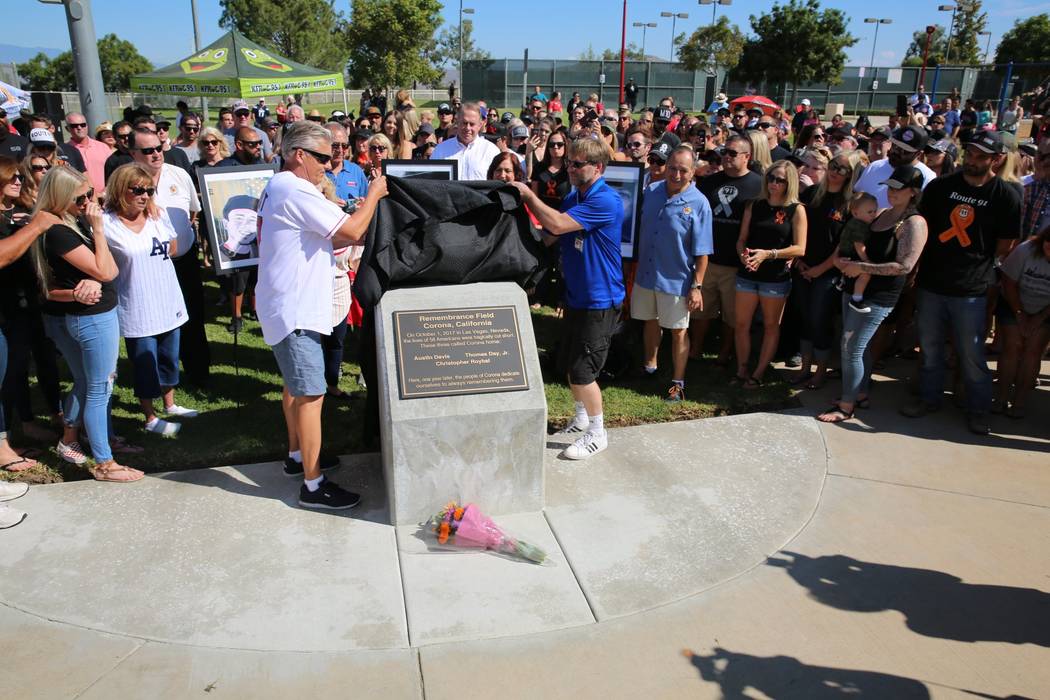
{"x": 587, "y": 446}
{"x": 575, "y": 427}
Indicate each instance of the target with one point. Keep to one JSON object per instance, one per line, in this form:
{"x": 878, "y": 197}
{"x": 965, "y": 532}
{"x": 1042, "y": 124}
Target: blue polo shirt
{"x": 351, "y": 182}
{"x": 590, "y": 258}
{"x": 674, "y": 232}
{"x": 951, "y": 120}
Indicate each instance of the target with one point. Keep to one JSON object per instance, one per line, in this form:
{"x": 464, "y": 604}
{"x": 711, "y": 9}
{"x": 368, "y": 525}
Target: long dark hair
{"x": 545, "y": 162}
{"x": 498, "y": 160}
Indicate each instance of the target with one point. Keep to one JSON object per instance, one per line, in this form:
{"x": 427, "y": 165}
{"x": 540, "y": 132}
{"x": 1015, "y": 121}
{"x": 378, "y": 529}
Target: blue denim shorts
{"x": 763, "y": 289}
{"x": 300, "y": 358}
{"x": 155, "y": 360}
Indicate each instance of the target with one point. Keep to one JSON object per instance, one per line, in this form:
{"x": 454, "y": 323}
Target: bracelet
{"x": 774, "y": 252}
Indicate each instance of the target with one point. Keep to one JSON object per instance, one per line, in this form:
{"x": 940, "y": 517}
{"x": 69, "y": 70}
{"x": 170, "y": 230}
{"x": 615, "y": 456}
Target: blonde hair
{"x": 592, "y": 150}
{"x": 58, "y": 192}
{"x": 407, "y": 124}
{"x": 382, "y": 140}
{"x": 790, "y": 174}
{"x": 760, "y": 149}
{"x": 123, "y": 179}
{"x": 210, "y": 133}
{"x": 856, "y": 165}
{"x": 1008, "y": 170}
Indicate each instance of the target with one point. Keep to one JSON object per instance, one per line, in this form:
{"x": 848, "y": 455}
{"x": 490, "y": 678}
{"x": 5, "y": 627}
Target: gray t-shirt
{"x": 267, "y": 149}
{"x": 1032, "y": 275}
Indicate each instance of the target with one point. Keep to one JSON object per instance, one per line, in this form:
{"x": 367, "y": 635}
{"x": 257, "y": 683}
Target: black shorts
{"x": 586, "y": 335}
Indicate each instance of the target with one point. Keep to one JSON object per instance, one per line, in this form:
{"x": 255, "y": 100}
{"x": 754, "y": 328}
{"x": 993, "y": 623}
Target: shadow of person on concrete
{"x": 787, "y": 677}
{"x": 934, "y": 604}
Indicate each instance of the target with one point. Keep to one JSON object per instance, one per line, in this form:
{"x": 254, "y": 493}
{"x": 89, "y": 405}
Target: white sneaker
{"x": 9, "y": 517}
{"x": 10, "y": 490}
{"x": 575, "y": 427}
{"x": 72, "y": 453}
{"x": 587, "y": 446}
{"x": 163, "y": 428}
{"x": 180, "y": 411}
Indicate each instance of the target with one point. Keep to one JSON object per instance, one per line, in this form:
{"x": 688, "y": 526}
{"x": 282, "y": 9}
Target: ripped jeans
{"x": 857, "y": 331}
{"x": 89, "y": 345}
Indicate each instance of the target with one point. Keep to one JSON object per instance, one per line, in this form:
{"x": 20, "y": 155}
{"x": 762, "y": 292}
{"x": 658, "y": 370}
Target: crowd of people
{"x": 767, "y": 227}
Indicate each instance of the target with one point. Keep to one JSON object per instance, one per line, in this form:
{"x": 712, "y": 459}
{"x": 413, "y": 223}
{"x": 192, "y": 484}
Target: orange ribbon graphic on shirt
{"x": 962, "y": 217}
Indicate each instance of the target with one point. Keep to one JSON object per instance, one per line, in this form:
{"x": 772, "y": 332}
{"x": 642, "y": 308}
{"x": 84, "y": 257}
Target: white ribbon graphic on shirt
{"x": 725, "y": 195}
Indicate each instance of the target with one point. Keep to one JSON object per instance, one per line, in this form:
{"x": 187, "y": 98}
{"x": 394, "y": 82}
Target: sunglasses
{"x": 84, "y": 198}
{"x": 936, "y": 121}
{"x": 819, "y": 136}
{"x": 635, "y": 144}
{"x": 739, "y": 116}
{"x": 774, "y": 180}
{"x": 81, "y": 125}
{"x": 163, "y": 126}
{"x": 37, "y": 169}
{"x": 579, "y": 164}
{"x": 730, "y": 153}
{"x": 840, "y": 169}
{"x": 191, "y": 129}
{"x": 17, "y": 177}
{"x": 340, "y": 144}
{"x": 251, "y": 144}
{"x": 765, "y": 125}
{"x": 150, "y": 150}
{"x": 210, "y": 142}
{"x": 139, "y": 191}
{"x": 556, "y": 144}
{"x": 322, "y": 158}
{"x": 123, "y": 137}
{"x": 377, "y": 149}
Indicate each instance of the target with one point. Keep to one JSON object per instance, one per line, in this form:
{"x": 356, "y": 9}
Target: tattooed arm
{"x": 911, "y": 237}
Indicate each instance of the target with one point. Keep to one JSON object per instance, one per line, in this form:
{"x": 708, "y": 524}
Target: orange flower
{"x": 443, "y": 531}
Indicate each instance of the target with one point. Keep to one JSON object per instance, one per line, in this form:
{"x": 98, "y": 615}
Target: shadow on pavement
{"x": 934, "y": 604}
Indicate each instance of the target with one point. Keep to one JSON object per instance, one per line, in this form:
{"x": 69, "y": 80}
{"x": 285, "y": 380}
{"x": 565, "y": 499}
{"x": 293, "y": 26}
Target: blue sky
{"x": 548, "y": 28}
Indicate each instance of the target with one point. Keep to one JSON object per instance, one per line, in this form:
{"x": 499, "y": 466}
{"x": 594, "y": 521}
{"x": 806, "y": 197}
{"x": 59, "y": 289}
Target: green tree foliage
{"x": 965, "y": 45}
{"x": 446, "y": 49}
{"x": 938, "y": 46}
{"x": 119, "y": 60}
{"x": 796, "y": 43}
{"x": 713, "y": 45}
{"x": 1027, "y": 41}
{"x": 392, "y": 42}
{"x": 633, "y": 53}
{"x": 308, "y": 31}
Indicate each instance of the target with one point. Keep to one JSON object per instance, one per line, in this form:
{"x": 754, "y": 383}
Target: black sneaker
{"x": 293, "y": 467}
{"x": 235, "y": 325}
{"x": 329, "y": 496}
{"x": 859, "y": 306}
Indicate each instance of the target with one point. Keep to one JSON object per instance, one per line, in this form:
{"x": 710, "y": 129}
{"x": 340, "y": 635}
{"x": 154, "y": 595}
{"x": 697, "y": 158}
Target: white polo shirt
{"x": 294, "y": 291}
{"x": 474, "y": 160}
{"x": 177, "y": 196}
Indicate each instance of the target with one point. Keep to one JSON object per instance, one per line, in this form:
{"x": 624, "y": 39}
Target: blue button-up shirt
{"x": 675, "y": 231}
{"x": 350, "y": 182}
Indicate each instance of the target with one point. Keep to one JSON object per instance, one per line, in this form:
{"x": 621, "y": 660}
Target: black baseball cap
{"x": 987, "y": 141}
{"x": 663, "y": 114}
{"x": 662, "y": 151}
{"x": 443, "y": 108}
{"x": 904, "y": 176}
{"x": 881, "y": 132}
{"x": 910, "y": 138}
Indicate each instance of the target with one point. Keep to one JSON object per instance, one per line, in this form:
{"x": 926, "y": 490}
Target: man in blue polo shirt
{"x": 675, "y": 241}
{"x": 588, "y": 229}
{"x": 349, "y": 179}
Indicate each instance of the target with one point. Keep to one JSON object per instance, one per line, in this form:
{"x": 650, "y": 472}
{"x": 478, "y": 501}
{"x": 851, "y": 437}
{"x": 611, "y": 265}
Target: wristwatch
{"x": 695, "y": 286}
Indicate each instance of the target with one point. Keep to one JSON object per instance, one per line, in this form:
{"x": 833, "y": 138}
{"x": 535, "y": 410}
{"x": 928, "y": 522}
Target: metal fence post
{"x": 1006, "y": 85}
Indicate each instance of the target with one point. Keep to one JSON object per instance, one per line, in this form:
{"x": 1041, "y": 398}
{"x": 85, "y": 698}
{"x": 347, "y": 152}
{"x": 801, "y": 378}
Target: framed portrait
{"x": 231, "y": 204}
{"x": 627, "y": 179}
{"x": 422, "y": 169}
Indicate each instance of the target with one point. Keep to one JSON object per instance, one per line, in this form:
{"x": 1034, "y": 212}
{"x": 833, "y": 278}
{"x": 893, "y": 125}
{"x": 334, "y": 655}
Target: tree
{"x": 632, "y": 53}
{"x": 119, "y": 60}
{"x": 392, "y": 42}
{"x": 307, "y": 31}
{"x": 797, "y": 43}
{"x": 1028, "y": 41}
{"x": 938, "y": 47}
{"x": 714, "y": 45}
{"x": 965, "y": 49}
{"x": 446, "y": 50}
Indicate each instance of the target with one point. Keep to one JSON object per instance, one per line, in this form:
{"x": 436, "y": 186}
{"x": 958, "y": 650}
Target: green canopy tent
{"x": 234, "y": 66}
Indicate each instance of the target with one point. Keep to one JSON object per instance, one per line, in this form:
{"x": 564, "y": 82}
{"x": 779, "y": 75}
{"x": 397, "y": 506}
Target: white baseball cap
{"x": 41, "y": 137}
{"x": 805, "y": 101}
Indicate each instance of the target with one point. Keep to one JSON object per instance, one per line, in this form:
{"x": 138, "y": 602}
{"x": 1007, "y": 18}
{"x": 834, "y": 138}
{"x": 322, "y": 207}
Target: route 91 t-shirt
{"x": 727, "y": 196}
{"x": 965, "y": 224}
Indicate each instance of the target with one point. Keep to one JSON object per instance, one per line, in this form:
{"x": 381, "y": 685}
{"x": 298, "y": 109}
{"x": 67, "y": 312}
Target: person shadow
{"x": 934, "y": 603}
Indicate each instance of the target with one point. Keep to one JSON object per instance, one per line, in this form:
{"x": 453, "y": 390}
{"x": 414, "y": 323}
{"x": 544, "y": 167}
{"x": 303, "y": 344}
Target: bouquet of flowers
{"x": 467, "y": 526}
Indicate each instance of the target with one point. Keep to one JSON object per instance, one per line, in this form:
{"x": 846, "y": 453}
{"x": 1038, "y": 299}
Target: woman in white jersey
{"x": 150, "y": 308}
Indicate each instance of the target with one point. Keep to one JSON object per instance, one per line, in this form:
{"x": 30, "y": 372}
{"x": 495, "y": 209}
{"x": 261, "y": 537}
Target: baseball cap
{"x": 425, "y": 128}
{"x": 163, "y": 123}
{"x": 443, "y": 108}
{"x": 375, "y": 110}
{"x": 987, "y": 141}
{"x": 363, "y": 134}
{"x": 663, "y": 114}
{"x": 940, "y": 145}
{"x": 842, "y": 131}
{"x": 338, "y": 113}
{"x": 662, "y": 151}
{"x": 240, "y": 105}
{"x": 269, "y": 122}
{"x": 754, "y": 110}
{"x": 910, "y": 139}
{"x": 805, "y": 101}
{"x": 904, "y": 176}
{"x": 720, "y": 97}
{"x": 881, "y": 132}
{"x": 519, "y": 132}
{"x": 506, "y": 117}
{"x": 41, "y": 137}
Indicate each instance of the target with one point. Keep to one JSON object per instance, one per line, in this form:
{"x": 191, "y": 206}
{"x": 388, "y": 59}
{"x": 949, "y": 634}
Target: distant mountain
{"x": 20, "y": 54}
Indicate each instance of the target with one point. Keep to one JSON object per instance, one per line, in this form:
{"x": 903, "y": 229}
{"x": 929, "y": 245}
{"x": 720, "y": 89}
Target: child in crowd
{"x": 863, "y": 208}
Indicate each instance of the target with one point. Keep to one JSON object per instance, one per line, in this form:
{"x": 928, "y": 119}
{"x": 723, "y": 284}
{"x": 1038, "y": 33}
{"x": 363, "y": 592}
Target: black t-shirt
{"x": 770, "y": 229}
{"x": 727, "y": 196}
{"x": 967, "y": 125}
{"x": 779, "y": 153}
{"x": 798, "y": 121}
{"x": 825, "y": 224}
{"x": 72, "y": 155}
{"x": 19, "y": 291}
{"x": 552, "y": 186}
{"x": 177, "y": 157}
{"x": 14, "y": 146}
{"x": 965, "y": 224}
{"x": 115, "y": 160}
{"x": 58, "y": 241}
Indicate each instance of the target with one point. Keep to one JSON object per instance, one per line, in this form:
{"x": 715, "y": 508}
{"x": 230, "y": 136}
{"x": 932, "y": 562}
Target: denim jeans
{"x": 155, "y": 361}
{"x": 857, "y": 331}
{"x": 964, "y": 318}
{"x": 89, "y": 345}
{"x": 815, "y": 303}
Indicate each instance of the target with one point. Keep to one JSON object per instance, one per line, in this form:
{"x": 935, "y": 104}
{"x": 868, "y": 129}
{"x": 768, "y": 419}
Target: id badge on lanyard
{"x": 579, "y": 242}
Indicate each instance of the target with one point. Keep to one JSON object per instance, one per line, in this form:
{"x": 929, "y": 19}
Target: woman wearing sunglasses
{"x": 76, "y": 270}
{"x": 212, "y": 146}
{"x": 150, "y": 306}
{"x": 379, "y": 148}
{"x": 772, "y": 232}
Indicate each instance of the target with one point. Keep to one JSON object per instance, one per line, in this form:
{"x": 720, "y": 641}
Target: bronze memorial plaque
{"x": 448, "y": 352}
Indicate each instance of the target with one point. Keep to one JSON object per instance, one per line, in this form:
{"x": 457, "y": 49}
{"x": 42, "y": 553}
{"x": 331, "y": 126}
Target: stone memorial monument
{"x": 462, "y": 410}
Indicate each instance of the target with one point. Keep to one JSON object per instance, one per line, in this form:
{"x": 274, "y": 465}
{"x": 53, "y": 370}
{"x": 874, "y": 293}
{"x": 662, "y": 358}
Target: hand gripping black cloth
{"x": 431, "y": 232}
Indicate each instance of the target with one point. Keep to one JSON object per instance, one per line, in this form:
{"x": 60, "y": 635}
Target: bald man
{"x": 93, "y": 153}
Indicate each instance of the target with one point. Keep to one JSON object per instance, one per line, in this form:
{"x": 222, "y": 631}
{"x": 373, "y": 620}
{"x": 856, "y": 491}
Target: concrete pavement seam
{"x": 937, "y": 490}
{"x": 111, "y": 670}
{"x": 572, "y": 570}
{"x": 404, "y": 593}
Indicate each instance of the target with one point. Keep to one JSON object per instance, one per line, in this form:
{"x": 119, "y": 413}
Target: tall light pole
{"x": 462, "y": 11}
{"x": 675, "y": 16}
{"x": 987, "y": 45}
{"x": 714, "y": 6}
{"x": 197, "y": 48}
{"x": 876, "y": 22}
{"x": 85, "y": 59}
{"x": 951, "y": 28}
{"x": 644, "y": 26}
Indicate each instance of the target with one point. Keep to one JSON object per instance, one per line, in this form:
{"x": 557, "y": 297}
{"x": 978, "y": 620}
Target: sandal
{"x": 753, "y": 383}
{"x": 864, "y": 403}
{"x": 115, "y": 472}
{"x": 836, "y": 415}
{"x": 19, "y": 465}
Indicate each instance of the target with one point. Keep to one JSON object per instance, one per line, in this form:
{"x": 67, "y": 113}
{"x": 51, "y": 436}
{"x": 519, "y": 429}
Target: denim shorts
{"x": 763, "y": 289}
{"x": 155, "y": 360}
{"x": 300, "y": 358}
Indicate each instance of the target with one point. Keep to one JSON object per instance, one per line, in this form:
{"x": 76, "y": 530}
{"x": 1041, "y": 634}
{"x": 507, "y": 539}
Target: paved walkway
{"x": 749, "y": 556}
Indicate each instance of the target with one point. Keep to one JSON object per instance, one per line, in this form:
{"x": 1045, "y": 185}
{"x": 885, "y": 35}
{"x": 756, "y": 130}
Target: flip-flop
{"x": 26, "y": 465}
{"x": 841, "y": 418}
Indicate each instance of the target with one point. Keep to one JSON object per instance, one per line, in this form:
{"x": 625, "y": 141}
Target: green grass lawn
{"x": 241, "y": 420}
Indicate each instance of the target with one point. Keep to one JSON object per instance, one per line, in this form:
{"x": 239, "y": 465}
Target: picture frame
{"x": 230, "y": 199}
{"x": 423, "y": 169}
{"x": 627, "y": 179}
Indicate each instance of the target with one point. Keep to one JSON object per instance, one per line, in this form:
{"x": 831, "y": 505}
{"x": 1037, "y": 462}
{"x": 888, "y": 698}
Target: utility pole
{"x": 85, "y": 60}
{"x": 197, "y": 48}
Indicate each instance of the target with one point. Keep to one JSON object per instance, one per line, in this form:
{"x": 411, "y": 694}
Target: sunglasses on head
{"x": 150, "y": 150}
{"x": 83, "y": 199}
{"x": 139, "y": 191}
{"x": 774, "y": 180}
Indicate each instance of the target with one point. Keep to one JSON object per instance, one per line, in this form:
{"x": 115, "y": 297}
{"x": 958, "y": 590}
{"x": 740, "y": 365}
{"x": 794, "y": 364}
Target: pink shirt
{"x": 94, "y": 154}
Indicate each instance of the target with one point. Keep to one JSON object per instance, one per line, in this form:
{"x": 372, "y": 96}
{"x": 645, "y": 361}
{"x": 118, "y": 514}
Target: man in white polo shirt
{"x": 298, "y": 227}
{"x": 473, "y": 151}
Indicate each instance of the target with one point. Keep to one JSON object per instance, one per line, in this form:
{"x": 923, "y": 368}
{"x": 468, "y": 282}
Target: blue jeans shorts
{"x": 763, "y": 289}
{"x": 155, "y": 359}
{"x": 300, "y": 358}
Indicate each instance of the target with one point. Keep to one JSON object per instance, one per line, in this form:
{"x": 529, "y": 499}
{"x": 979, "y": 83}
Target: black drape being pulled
{"x": 429, "y": 232}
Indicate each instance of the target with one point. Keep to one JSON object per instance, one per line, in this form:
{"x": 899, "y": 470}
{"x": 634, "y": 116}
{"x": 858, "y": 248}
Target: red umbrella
{"x": 764, "y": 103}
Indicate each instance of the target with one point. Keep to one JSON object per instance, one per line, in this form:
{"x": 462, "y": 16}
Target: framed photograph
{"x": 424, "y": 169}
{"x": 627, "y": 179}
{"x": 231, "y": 204}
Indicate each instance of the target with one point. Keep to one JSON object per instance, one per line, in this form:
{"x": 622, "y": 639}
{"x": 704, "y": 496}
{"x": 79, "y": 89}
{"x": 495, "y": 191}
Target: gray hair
{"x": 335, "y": 128}
{"x": 305, "y": 135}
{"x": 294, "y": 108}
